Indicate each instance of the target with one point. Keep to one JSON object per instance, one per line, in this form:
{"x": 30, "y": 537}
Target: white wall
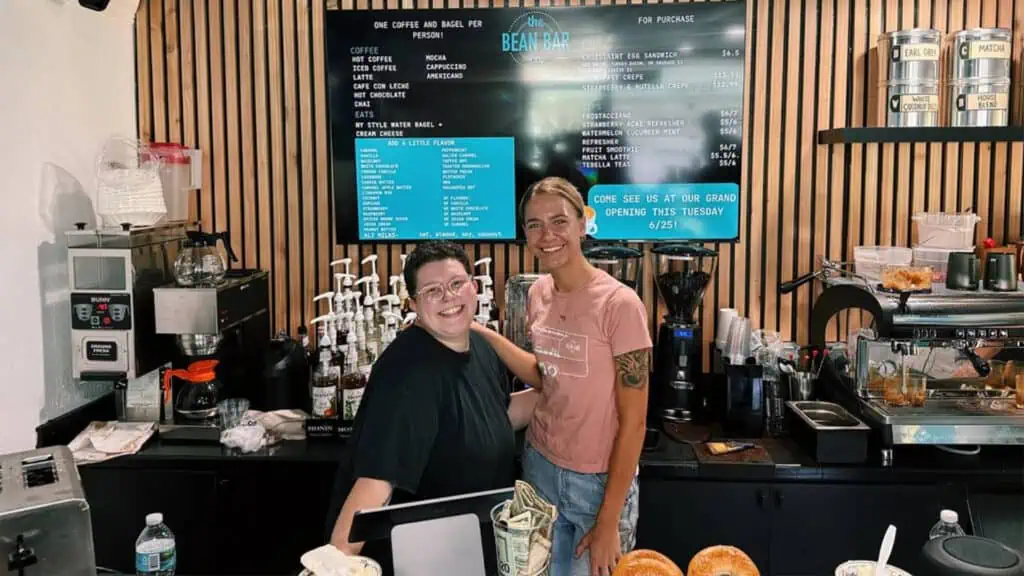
{"x": 67, "y": 82}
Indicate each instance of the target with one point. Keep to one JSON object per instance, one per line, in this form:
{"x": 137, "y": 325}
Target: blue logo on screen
{"x": 684, "y": 333}
{"x": 533, "y": 37}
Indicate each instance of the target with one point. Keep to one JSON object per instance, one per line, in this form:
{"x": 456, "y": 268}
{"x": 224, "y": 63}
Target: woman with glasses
{"x": 437, "y": 418}
{"x": 590, "y": 363}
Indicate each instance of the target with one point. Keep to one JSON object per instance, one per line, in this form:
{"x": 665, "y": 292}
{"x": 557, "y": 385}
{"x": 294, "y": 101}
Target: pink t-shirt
{"x": 576, "y": 336}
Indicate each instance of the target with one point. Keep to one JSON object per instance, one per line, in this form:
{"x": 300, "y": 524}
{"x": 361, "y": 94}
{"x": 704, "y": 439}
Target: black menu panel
{"x": 440, "y": 119}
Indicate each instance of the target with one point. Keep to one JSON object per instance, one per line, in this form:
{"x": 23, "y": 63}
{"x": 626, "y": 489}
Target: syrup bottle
{"x": 353, "y": 385}
{"x": 325, "y": 383}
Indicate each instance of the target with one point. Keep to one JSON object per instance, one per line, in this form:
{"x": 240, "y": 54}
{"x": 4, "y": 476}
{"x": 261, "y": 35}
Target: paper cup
{"x": 866, "y": 568}
{"x": 725, "y": 317}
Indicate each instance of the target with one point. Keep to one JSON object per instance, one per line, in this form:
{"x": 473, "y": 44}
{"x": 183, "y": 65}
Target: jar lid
{"x": 973, "y": 555}
{"x": 683, "y": 250}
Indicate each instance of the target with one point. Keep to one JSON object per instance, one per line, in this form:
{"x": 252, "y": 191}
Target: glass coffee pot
{"x": 200, "y": 264}
{"x": 198, "y": 396}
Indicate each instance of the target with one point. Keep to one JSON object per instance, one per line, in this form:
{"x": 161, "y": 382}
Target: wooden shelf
{"x": 917, "y": 135}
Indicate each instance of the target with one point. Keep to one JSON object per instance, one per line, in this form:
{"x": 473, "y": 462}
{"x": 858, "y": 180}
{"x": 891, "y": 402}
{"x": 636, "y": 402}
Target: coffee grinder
{"x": 621, "y": 262}
{"x": 683, "y": 273}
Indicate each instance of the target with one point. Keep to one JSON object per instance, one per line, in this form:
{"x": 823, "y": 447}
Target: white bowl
{"x": 866, "y": 568}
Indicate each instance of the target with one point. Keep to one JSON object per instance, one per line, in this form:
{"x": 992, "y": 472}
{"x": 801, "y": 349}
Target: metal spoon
{"x": 885, "y": 551}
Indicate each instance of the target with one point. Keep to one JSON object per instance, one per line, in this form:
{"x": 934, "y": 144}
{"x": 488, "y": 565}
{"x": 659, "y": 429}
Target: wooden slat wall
{"x": 244, "y": 81}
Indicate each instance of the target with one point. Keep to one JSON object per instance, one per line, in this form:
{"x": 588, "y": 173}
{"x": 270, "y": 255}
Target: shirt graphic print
{"x": 563, "y": 353}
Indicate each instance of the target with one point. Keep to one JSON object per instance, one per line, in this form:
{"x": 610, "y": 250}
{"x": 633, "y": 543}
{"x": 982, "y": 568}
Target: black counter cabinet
{"x": 256, "y": 514}
{"x": 230, "y": 515}
{"x": 791, "y": 528}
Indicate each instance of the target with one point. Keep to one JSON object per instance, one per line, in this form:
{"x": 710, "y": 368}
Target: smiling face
{"x": 445, "y": 300}
{"x": 554, "y": 230}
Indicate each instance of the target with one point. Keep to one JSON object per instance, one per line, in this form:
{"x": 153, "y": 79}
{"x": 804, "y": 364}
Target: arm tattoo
{"x": 632, "y": 366}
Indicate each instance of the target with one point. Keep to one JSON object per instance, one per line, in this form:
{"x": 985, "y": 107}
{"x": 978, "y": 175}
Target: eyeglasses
{"x": 434, "y": 292}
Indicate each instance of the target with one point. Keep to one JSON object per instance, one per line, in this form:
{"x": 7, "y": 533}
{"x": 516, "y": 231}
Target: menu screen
{"x": 441, "y": 119}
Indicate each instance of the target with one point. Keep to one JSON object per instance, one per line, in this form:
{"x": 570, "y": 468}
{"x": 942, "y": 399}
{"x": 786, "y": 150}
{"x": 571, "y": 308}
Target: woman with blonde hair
{"x": 591, "y": 352}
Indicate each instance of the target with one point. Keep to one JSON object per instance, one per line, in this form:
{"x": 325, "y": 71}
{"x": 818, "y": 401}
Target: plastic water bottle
{"x": 946, "y": 526}
{"x": 154, "y": 550}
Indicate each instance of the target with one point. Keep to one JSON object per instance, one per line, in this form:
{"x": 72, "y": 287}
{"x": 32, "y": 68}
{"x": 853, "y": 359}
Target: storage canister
{"x": 980, "y": 53}
{"x": 912, "y": 104}
{"x": 979, "y": 102}
{"x": 910, "y": 55}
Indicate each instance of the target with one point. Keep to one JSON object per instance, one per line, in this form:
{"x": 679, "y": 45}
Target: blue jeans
{"x": 578, "y": 498}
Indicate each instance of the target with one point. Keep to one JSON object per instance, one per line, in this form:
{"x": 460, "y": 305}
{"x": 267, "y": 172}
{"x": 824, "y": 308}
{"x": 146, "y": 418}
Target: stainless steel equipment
{"x": 828, "y": 432}
{"x": 45, "y": 524}
{"x": 227, "y": 328}
{"x": 199, "y": 317}
{"x": 112, "y": 275}
{"x": 963, "y": 345}
{"x": 517, "y": 292}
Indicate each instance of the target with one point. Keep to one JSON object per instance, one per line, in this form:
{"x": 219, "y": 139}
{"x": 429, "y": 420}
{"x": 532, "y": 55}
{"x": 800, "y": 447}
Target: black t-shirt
{"x": 433, "y": 422}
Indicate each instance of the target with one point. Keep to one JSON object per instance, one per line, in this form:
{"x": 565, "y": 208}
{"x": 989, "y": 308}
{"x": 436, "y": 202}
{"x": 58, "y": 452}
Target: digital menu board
{"x": 440, "y": 119}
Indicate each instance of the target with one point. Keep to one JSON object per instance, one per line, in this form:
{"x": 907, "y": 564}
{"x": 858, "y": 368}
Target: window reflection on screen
{"x": 99, "y": 273}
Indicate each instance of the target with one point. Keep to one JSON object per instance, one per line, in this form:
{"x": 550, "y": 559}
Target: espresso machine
{"x": 683, "y": 274}
{"x": 944, "y": 367}
{"x": 621, "y": 262}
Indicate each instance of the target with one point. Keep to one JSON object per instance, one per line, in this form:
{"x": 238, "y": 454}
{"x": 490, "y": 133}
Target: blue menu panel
{"x": 435, "y": 188}
{"x": 663, "y": 211}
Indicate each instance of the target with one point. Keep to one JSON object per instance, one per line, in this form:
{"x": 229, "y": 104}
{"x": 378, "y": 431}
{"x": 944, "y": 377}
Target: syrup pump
{"x": 332, "y": 326}
{"x": 486, "y": 314}
{"x": 391, "y": 303}
{"x": 374, "y": 277}
{"x": 403, "y": 291}
{"x": 345, "y": 287}
{"x": 391, "y": 323}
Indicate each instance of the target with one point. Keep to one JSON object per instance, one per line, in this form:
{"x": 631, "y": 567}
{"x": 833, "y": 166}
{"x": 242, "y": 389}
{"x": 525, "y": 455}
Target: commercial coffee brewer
{"x": 621, "y": 262}
{"x": 227, "y": 324}
{"x": 112, "y": 273}
{"x": 683, "y": 274}
{"x": 944, "y": 367}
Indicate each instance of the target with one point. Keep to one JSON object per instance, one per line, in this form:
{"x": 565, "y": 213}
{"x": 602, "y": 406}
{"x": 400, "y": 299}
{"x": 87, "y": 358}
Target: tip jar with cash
{"x": 523, "y": 532}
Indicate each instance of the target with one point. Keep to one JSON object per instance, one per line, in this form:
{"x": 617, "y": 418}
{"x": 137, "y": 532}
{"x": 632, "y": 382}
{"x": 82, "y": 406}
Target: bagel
{"x": 646, "y": 563}
{"x": 722, "y": 561}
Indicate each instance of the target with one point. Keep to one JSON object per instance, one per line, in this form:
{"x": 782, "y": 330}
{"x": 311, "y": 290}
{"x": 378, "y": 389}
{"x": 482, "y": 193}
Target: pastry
{"x": 722, "y": 561}
{"x": 646, "y": 563}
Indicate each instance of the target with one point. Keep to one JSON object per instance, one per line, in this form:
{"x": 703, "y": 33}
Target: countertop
{"x": 670, "y": 459}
